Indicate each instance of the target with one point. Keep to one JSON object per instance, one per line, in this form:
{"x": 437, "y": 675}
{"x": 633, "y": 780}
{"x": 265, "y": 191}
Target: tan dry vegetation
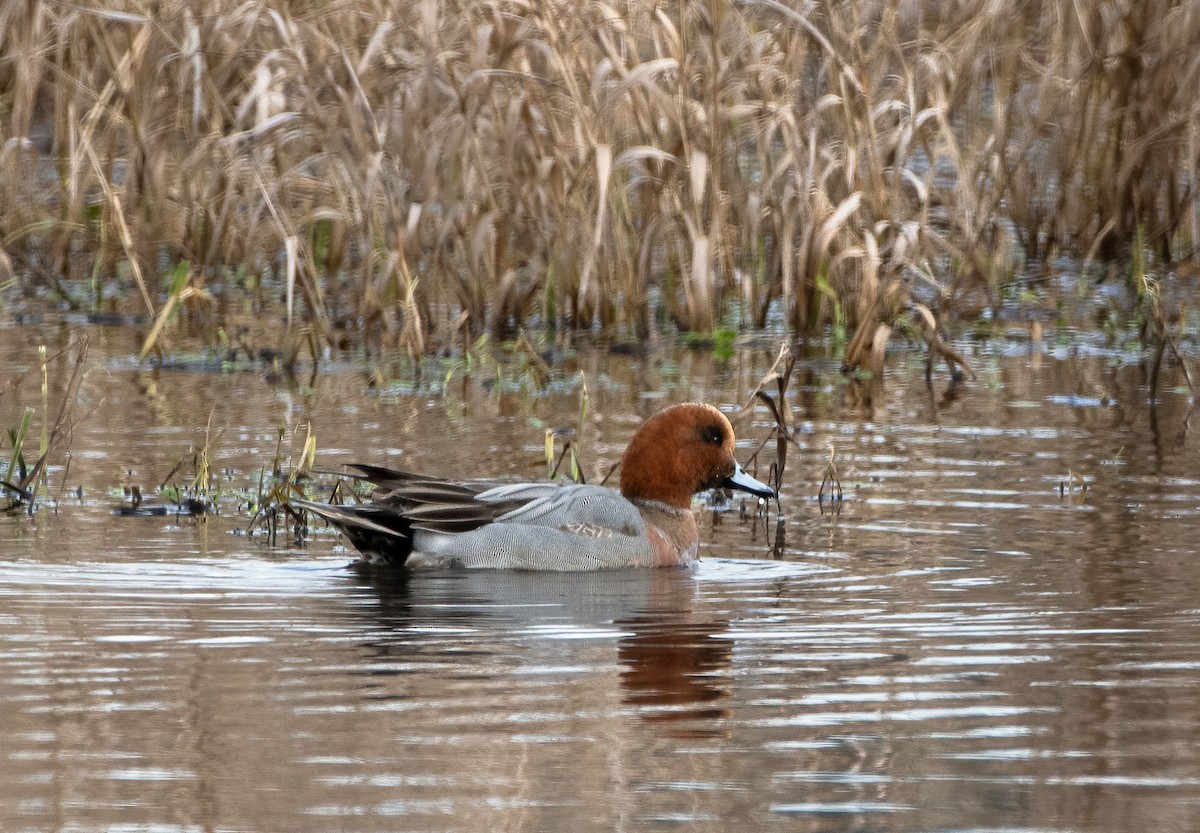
{"x": 408, "y": 168}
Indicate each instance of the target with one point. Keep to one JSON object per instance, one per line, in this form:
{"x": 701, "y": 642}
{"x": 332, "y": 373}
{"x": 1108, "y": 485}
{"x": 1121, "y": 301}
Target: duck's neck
{"x": 674, "y": 533}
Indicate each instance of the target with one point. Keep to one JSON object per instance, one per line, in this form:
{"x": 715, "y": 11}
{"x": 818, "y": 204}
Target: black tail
{"x": 376, "y": 533}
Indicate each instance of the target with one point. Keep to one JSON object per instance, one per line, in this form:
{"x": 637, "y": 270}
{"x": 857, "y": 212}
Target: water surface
{"x": 976, "y": 643}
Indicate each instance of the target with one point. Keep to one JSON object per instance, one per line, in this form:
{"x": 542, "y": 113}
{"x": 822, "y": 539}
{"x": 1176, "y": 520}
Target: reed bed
{"x": 415, "y": 170}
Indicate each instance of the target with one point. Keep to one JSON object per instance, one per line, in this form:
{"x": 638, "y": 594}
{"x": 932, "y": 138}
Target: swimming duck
{"x": 419, "y": 520}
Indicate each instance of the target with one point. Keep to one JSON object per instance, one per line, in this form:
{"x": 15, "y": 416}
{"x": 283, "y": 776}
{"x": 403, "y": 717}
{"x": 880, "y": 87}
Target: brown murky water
{"x": 966, "y": 648}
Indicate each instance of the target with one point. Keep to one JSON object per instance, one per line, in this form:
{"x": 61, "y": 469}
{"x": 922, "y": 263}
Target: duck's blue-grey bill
{"x": 740, "y": 480}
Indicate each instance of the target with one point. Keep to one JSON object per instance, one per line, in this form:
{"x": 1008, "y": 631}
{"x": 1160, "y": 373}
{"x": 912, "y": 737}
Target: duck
{"x": 417, "y": 520}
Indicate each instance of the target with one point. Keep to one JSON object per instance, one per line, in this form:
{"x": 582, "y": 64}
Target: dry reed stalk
{"x": 613, "y": 163}
{"x": 56, "y": 434}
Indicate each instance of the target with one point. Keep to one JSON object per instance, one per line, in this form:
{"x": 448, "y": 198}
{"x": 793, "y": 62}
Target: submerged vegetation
{"x": 422, "y": 173}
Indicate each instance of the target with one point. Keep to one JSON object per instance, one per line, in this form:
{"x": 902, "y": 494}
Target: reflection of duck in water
{"x": 426, "y": 521}
{"x": 672, "y": 666}
{"x": 675, "y": 670}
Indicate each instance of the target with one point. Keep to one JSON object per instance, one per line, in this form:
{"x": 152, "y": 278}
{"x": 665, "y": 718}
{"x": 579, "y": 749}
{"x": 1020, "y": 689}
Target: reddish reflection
{"x": 676, "y": 673}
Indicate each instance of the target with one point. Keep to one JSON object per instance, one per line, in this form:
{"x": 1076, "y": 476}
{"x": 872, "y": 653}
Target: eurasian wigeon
{"x": 417, "y": 520}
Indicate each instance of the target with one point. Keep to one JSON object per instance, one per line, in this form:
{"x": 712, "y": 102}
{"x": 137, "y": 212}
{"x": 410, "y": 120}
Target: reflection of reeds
{"x": 394, "y": 166}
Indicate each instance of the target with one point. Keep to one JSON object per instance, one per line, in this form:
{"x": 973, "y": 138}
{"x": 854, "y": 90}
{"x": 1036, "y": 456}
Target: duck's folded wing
{"x": 390, "y": 478}
{"x": 431, "y": 503}
{"x": 590, "y": 510}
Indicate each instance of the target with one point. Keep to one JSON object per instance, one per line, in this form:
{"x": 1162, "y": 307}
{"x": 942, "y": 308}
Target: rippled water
{"x": 975, "y": 644}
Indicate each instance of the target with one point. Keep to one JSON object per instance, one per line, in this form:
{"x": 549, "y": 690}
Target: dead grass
{"x": 21, "y": 482}
{"x": 422, "y": 171}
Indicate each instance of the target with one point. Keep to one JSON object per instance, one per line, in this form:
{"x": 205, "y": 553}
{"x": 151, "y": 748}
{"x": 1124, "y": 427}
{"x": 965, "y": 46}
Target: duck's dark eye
{"x": 712, "y": 434}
